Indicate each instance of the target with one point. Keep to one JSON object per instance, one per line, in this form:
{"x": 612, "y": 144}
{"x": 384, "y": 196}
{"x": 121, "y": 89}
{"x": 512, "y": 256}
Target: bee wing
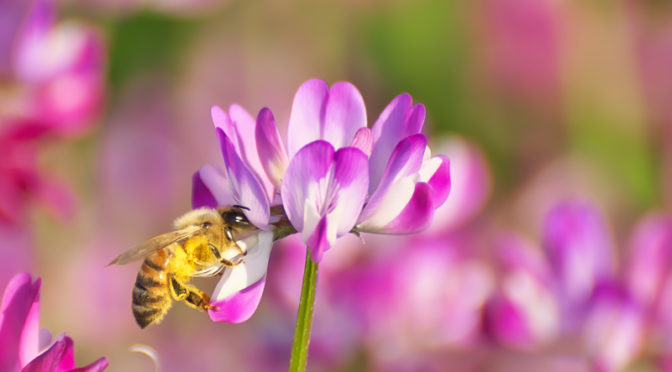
{"x": 154, "y": 244}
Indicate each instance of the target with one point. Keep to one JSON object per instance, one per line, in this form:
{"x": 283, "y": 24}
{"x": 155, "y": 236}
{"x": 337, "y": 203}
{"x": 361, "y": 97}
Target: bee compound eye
{"x": 206, "y": 225}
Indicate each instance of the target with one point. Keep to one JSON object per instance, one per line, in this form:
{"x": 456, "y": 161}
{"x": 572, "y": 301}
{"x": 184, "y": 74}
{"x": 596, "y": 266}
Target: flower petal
{"x": 272, "y": 153}
{"x": 345, "y": 114}
{"x": 306, "y": 115}
{"x": 470, "y": 184}
{"x": 239, "y": 307}
{"x": 19, "y": 322}
{"x": 319, "y": 240}
{"x": 436, "y": 172}
{"x": 415, "y": 216}
{"x": 398, "y": 183}
{"x": 239, "y": 290}
{"x": 239, "y": 126}
{"x": 579, "y": 247}
{"x": 59, "y": 357}
{"x": 320, "y": 113}
{"x": 398, "y": 120}
{"x": 326, "y": 190}
{"x": 348, "y": 188}
{"x": 246, "y": 189}
{"x": 211, "y": 188}
{"x": 300, "y": 189}
{"x": 363, "y": 140}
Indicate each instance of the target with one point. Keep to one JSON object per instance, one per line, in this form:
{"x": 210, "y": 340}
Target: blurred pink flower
{"x": 524, "y": 313}
{"x": 51, "y": 84}
{"x": 22, "y": 182}
{"x": 55, "y": 74}
{"x": 580, "y": 252}
{"x": 470, "y": 186}
{"x": 650, "y": 260}
{"x": 614, "y": 327}
{"x": 23, "y": 347}
{"x": 335, "y": 174}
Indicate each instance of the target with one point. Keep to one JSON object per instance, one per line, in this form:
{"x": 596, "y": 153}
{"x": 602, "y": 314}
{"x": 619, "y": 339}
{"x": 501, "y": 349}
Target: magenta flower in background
{"x": 524, "y": 313}
{"x": 335, "y": 175}
{"x": 51, "y": 84}
{"x": 613, "y": 329}
{"x": 580, "y": 251}
{"x": 23, "y": 347}
{"x": 54, "y": 70}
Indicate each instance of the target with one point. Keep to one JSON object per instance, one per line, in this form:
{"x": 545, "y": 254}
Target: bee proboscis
{"x": 198, "y": 247}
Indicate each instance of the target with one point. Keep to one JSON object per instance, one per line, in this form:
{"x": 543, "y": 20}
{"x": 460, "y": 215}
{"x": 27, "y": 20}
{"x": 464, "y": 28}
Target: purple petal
{"x": 398, "y": 184}
{"x": 59, "y": 357}
{"x": 247, "y": 145}
{"x": 524, "y": 314}
{"x": 326, "y": 189}
{"x": 406, "y": 159}
{"x": 240, "y": 306}
{"x": 579, "y": 247}
{"x": 345, "y": 114}
{"x": 470, "y": 185}
{"x": 398, "y": 120}
{"x": 347, "y": 189}
{"x": 210, "y": 188}
{"x": 306, "y": 116}
{"x": 246, "y": 189}
{"x": 300, "y": 188}
{"x": 200, "y": 194}
{"x": 31, "y": 43}
{"x": 19, "y": 322}
{"x": 416, "y": 216}
{"x": 318, "y": 242}
{"x": 239, "y": 126}
{"x": 272, "y": 153}
{"x": 613, "y": 329}
{"x": 650, "y": 261}
{"x": 363, "y": 140}
{"x": 320, "y": 113}
{"x": 440, "y": 181}
{"x": 221, "y": 120}
{"x": 239, "y": 290}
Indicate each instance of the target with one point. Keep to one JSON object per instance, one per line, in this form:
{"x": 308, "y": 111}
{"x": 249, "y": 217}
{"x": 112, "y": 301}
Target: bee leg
{"x": 224, "y": 261}
{"x": 229, "y": 235}
{"x": 190, "y": 295}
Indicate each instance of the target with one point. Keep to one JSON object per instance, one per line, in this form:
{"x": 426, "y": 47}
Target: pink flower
{"x": 580, "y": 251}
{"x": 22, "y": 346}
{"x": 525, "y": 312}
{"x": 614, "y": 327}
{"x": 55, "y": 69}
{"x": 335, "y": 175}
{"x": 51, "y": 84}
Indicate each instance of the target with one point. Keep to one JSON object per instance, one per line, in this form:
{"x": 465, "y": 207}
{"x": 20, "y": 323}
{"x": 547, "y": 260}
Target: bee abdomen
{"x": 151, "y": 296}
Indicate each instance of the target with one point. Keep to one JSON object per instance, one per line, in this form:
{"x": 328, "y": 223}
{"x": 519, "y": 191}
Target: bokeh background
{"x": 552, "y": 253}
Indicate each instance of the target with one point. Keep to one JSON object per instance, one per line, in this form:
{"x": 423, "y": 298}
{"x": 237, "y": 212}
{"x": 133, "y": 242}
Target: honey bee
{"x": 196, "y": 248}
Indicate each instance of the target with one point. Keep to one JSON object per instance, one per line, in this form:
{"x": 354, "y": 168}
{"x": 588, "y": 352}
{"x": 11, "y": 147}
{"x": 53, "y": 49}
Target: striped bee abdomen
{"x": 151, "y": 294}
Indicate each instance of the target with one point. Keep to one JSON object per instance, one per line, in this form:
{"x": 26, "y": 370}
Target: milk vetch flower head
{"x": 23, "y": 347}
{"x": 332, "y": 176}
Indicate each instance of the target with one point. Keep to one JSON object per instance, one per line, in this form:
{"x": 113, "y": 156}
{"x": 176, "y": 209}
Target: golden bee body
{"x": 196, "y": 248}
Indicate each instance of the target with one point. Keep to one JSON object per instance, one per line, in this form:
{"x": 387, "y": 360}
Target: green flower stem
{"x": 304, "y": 319}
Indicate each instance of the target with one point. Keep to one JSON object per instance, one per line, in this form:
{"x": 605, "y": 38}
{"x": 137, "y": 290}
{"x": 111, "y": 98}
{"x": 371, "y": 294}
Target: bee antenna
{"x": 241, "y": 207}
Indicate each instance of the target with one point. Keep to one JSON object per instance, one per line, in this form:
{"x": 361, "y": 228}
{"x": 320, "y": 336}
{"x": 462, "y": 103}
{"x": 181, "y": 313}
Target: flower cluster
{"x": 23, "y": 347}
{"x": 51, "y": 85}
{"x": 334, "y": 175}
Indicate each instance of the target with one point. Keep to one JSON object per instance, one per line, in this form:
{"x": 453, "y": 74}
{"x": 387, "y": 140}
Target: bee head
{"x": 235, "y": 217}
